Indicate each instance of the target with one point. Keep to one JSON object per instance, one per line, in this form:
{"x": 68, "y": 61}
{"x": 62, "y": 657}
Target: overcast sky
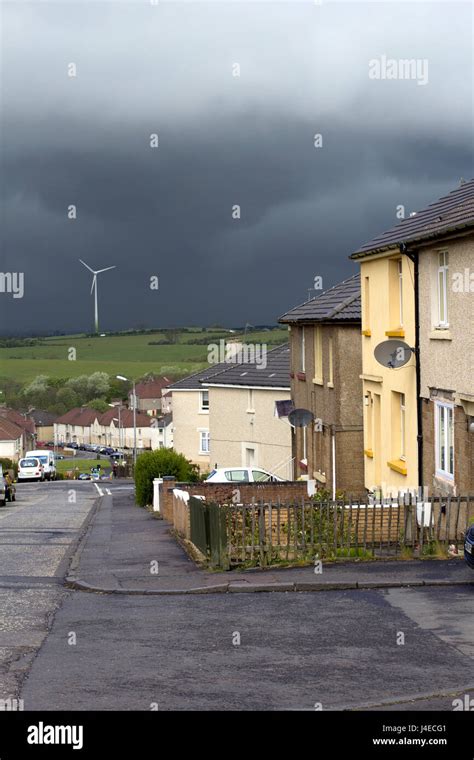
{"x": 223, "y": 140}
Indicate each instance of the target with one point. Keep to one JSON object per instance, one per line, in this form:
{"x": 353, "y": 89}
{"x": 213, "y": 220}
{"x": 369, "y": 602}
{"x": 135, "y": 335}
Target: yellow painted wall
{"x": 381, "y": 314}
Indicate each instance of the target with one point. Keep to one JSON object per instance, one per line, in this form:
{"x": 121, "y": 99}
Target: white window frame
{"x": 400, "y": 288}
{"x": 331, "y": 362}
{"x": 203, "y": 409}
{"x": 442, "y": 275}
{"x": 302, "y": 350}
{"x": 204, "y": 437}
{"x": 250, "y": 401}
{"x": 442, "y": 409}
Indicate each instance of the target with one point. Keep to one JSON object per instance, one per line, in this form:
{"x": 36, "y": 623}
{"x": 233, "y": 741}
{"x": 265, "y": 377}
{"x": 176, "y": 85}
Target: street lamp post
{"x": 121, "y": 377}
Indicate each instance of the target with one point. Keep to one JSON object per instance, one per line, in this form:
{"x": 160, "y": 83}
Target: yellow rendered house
{"x": 389, "y": 395}
{"x": 417, "y": 286}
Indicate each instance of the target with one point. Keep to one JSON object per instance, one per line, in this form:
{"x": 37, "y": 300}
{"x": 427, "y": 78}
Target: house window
{"x": 204, "y": 401}
{"x": 444, "y": 422}
{"x": 318, "y": 355}
{"x": 366, "y": 325}
{"x": 302, "y": 351}
{"x": 398, "y": 426}
{"x": 331, "y": 363}
{"x": 250, "y": 407}
{"x": 204, "y": 442}
{"x": 402, "y": 425}
{"x": 443, "y": 289}
{"x": 370, "y": 421}
{"x": 396, "y": 293}
{"x": 400, "y": 289}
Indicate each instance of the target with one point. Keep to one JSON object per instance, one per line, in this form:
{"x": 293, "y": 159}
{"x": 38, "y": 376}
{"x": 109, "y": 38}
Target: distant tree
{"x": 98, "y": 385}
{"x": 79, "y": 385}
{"x": 88, "y": 387}
{"x": 98, "y": 404}
{"x": 38, "y": 392}
{"x": 68, "y": 398}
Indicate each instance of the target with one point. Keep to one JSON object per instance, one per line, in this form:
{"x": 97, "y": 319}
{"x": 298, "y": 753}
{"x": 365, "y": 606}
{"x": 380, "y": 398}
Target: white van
{"x": 30, "y": 468}
{"x": 46, "y": 457}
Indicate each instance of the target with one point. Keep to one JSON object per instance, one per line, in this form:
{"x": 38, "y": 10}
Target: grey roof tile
{"x": 276, "y": 373}
{"x": 340, "y": 303}
{"x": 451, "y": 212}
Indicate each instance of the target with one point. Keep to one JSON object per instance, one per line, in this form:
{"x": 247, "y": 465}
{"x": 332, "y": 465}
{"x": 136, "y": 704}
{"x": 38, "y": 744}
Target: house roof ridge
{"x": 450, "y": 211}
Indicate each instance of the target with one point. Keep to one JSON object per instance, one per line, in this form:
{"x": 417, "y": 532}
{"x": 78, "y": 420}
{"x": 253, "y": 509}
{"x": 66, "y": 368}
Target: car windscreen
{"x": 29, "y": 463}
{"x": 43, "y": 460}
{"x": 237, "y": 476}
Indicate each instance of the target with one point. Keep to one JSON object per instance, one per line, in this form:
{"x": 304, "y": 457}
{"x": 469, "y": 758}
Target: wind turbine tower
{"x": 94, "y": 288}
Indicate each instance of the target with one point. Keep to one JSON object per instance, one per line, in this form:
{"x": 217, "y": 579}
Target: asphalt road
{"x": 37, "y": 535}
{"x": 391, "y": 649}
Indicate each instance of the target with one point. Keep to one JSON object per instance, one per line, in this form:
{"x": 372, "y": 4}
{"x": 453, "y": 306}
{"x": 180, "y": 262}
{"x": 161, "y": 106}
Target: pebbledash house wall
{"x": 447, "y": 360}
{"x": 234, "y": 427}
{"x": 339, "y": 406}
{"x": 188, "y": 421}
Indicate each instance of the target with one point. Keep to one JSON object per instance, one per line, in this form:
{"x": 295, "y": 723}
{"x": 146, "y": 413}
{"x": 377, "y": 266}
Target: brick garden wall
{"x": 223, "y": 492}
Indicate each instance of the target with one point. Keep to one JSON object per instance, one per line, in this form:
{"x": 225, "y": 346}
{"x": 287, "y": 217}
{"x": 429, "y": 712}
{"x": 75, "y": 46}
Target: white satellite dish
{"x": 393, "y": 353}
{"x": 300, "y": 417}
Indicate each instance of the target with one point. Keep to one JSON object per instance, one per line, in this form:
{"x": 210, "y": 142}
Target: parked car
{"x": 242, "y": 475}
{"x": 116, "y": 455}
{"x": 85, "y": 476}
{"x": 30, "y": 468}
{"x": 46, "y": 457}
{"x": 72, "y": 445}
{"x": 60, "y": 456}
{"x": 469, "y": 547}
{"x": 3, "y": 489}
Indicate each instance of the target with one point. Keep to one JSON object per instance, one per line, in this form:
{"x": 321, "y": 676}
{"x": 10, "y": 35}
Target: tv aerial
{"x": 393, "y": 353}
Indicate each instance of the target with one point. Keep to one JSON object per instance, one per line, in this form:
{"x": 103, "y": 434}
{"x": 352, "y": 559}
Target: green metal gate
{"x": 209, "y": 531}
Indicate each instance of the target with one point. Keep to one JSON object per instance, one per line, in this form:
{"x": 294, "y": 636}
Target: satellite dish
{"x": 393, "y": 353}
{"x": 300, "y": 417}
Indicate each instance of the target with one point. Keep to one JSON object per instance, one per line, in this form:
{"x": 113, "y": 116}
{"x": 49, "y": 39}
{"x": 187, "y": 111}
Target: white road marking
{"x": 100, "y": 492}
{"x": 109, "y": 491}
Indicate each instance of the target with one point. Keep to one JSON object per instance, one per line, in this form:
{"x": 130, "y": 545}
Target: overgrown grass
{"x": 82, "y": 465}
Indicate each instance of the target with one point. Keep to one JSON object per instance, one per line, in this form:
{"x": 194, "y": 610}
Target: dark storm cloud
{"x": 223, "y": 141}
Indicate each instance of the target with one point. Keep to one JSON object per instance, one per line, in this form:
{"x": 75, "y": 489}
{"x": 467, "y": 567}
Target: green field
{"x": 129, "y": 355}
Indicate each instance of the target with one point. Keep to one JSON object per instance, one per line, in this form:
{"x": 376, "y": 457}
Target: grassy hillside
{"x": 129, "y": 355}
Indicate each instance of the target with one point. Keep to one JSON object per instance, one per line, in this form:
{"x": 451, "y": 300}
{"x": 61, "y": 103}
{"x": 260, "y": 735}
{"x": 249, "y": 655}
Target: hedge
{"x": 156, "y": 464}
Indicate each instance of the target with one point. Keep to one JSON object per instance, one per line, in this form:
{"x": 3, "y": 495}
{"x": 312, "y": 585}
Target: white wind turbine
{"x": 94, "y": 286}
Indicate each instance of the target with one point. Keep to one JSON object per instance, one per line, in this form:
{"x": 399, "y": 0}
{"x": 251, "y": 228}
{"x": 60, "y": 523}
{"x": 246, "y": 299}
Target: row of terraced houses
{"x": 376, "y": 428}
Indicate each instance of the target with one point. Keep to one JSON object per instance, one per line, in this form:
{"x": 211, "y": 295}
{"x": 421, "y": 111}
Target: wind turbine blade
{"x": 87, "y": 266}
{"x": 94, "y": 282}
{"x": 104, "y": 270}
